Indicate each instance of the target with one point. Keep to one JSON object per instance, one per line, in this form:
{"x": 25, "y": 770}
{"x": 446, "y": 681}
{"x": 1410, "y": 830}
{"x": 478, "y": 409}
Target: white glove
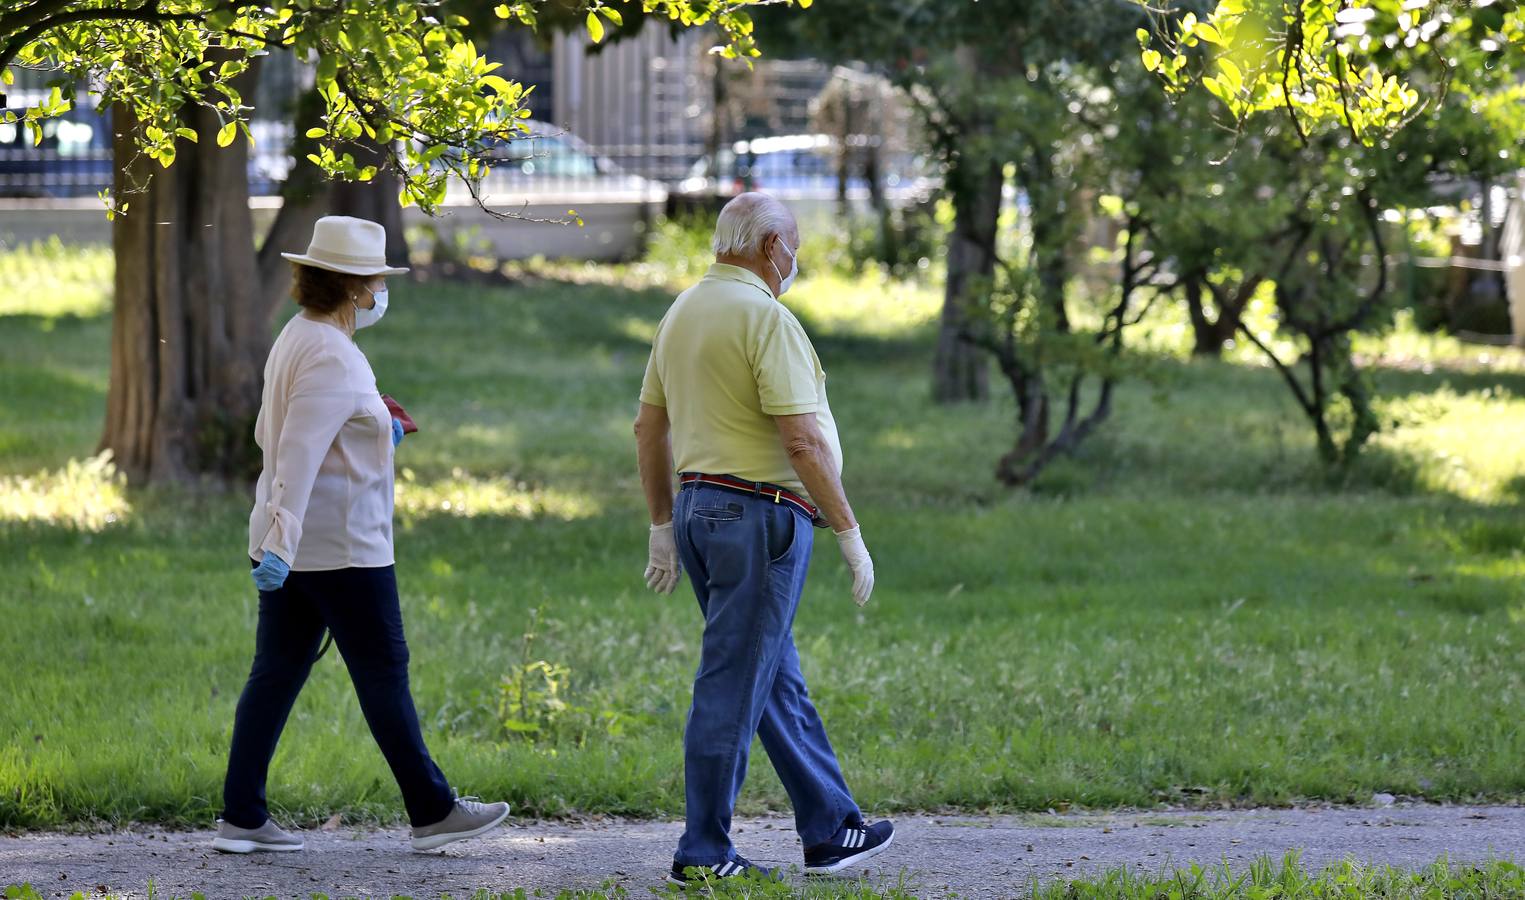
{"x": 856, "y": 554}
{"x": 662, "y": 568}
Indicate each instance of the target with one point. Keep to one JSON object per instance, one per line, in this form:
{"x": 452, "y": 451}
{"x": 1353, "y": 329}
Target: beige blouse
{"x": 324, "y": 497}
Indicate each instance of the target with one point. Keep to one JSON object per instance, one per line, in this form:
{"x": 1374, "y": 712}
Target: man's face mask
{"x": 785, "y": 281}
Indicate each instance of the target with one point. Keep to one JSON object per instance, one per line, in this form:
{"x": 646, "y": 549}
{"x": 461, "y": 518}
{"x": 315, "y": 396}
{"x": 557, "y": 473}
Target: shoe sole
{"x": 436, "y": 841}
{"x": 851, "y": 861}
{"x": 229, "y": 845}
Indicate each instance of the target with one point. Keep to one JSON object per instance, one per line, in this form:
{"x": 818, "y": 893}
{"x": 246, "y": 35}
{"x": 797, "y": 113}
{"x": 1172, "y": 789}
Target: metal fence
{"x": 621, "y": 134}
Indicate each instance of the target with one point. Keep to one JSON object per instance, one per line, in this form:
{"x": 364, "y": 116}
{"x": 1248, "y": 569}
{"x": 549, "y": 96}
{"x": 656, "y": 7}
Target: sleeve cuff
{"x": 284, "y": 536}
{"x": 654, "y": 401}
{"x": 791, "y": 409}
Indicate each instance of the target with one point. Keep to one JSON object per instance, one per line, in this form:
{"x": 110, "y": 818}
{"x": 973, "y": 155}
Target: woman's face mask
{"x": 365, "y": 318}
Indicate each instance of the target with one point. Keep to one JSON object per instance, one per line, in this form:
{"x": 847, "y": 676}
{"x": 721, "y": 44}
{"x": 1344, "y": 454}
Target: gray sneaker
{"x": 469, "y": 819}
{"x": 268, "y": 838}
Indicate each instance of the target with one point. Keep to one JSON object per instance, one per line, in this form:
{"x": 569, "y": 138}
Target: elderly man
{"x": 735, "y": 396}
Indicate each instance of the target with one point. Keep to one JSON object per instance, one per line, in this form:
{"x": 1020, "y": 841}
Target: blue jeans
{"x": 747, "y": 557}
{"x": 361, "y": 610}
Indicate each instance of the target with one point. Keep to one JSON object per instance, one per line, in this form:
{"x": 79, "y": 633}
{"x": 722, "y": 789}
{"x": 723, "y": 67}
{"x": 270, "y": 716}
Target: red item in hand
{"x": 399, "y": 414}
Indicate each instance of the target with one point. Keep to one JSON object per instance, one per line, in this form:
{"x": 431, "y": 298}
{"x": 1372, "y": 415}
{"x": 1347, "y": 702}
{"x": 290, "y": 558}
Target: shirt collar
{"x": 725, "y": 272}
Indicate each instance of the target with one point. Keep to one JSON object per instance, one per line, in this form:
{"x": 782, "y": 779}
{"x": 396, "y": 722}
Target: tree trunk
{"x": 959, "y": 370}
{"x": 844, "y": 157}
{"x": 375, "y": 199}
{"x": 306, "y": 196}
{"x": 189, "y": 335}
{"x": 1209, "y": 335}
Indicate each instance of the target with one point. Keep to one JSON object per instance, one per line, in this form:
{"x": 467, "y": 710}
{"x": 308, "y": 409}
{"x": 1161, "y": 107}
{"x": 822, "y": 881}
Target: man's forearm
{"x": 654, "y": 458}
{"x": 817, "y": 469}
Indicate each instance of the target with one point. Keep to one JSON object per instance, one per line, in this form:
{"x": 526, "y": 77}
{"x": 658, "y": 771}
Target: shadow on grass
{"x": 1393, "y": 383}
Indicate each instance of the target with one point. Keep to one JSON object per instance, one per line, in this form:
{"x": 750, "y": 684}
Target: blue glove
{"x": 271, "y": 572}
{"x": 396, "y": 432}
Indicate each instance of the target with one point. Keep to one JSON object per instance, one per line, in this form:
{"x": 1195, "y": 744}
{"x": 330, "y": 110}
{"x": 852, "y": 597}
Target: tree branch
{"x": 148, "y": 12}
{"x": 1286, "y": 373}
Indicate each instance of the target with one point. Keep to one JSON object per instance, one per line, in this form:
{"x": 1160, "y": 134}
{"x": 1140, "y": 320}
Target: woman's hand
{"x": 271, "y": 572}
{"x": 396, "y": 432}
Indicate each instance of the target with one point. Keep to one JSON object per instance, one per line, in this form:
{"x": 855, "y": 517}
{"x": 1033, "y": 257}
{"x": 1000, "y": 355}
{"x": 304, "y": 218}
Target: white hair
{"x": 746, "y": 222}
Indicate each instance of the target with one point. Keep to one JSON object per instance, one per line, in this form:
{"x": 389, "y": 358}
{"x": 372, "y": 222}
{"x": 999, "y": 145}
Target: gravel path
{"x": 937, "y": 855}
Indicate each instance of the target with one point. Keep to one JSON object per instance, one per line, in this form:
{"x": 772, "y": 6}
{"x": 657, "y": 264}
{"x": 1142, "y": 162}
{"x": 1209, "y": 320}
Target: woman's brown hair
{"x": 323, "y": 291}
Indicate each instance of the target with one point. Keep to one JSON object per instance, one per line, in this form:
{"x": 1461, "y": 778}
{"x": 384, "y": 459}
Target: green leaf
{"x": 317, "y": 132}
{"x": 187, "y": 133}
{"x": 328, "y": 69}
{"x": 1208, "y": 33}
{"x": 499, "y": 83}
{"x": 6, "y": 77}
{"x": 1151, "y": 60}
{"x": 226, "y": 134}
{"x": 595, "y": 28}
{"x": 613, "y": 15}
{"x": 1143, "y": 36}
{"x": 1231, "y": 74}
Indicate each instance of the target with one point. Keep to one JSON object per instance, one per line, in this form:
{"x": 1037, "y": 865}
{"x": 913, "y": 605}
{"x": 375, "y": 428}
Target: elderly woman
{"x": 320, "y": 539}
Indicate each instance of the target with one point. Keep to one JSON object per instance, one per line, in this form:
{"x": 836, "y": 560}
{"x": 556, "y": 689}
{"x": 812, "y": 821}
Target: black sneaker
{"x": 855, "y": 843}
{"x": 733, "y": 868}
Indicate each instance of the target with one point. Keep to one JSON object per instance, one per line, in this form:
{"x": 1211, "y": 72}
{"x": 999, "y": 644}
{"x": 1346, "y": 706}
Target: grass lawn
{"x": 1186, "y": 613}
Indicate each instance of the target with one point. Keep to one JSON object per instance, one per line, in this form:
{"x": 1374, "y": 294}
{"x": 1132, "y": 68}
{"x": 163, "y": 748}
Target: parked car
{"x": 558, "y": 166}
{"x": 546, "y": 176}
{"x": 799, "y": 166}
{"x": 75, "y": 159}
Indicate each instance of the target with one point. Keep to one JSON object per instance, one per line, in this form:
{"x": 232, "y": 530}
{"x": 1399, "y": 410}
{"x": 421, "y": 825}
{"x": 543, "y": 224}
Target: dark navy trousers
{"x": 360, "y": 608}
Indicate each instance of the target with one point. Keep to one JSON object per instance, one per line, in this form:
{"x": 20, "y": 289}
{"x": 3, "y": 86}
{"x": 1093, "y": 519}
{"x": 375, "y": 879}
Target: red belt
{"x": 757, "y": 489}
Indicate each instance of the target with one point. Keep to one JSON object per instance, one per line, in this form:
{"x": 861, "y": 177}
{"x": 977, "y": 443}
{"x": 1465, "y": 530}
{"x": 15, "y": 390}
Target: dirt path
{"x": 936, "y": 855}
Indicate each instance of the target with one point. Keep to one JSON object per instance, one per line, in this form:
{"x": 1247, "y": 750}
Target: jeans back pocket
{"x": 731, "y": 512}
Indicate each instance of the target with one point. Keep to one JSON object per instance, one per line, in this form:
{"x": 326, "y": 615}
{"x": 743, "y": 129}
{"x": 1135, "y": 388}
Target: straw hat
{"x": 349, "y": 245}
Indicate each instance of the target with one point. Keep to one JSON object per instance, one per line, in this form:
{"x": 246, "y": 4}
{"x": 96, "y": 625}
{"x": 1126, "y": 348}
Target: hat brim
{"x": 306, "y": 260}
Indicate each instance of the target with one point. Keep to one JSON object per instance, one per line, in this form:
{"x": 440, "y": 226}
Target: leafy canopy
{"x": 1366, "y": 66}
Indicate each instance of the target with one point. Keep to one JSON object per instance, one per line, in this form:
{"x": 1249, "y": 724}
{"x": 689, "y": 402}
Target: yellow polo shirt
{"x": 728, "y": 357}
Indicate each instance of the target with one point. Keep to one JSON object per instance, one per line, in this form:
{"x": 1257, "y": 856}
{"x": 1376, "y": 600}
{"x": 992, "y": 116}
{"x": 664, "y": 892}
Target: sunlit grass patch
{"x": 1471, "y": 444}
{"x": 1441, "y": 880}
{"x": 53, "y": 279}
{"x": 466, "y": 495}
{"x": 1406, "y": 346}
{"x": 870, "y": 304}
{"x": 88, "y": 494}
